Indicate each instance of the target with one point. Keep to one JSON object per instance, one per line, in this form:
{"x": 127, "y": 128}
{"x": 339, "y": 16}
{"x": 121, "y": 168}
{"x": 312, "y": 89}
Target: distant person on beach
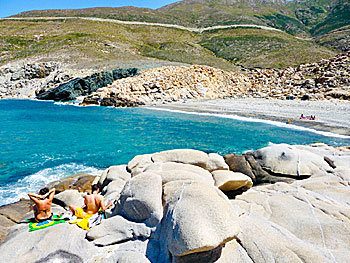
{"x": 43, "y": 200}
{"x": 92, "y": 204}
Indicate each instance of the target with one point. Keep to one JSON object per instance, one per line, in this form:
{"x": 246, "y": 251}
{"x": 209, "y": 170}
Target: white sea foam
{"x": 248, "y": 119}
{"x": 12, "y": 192}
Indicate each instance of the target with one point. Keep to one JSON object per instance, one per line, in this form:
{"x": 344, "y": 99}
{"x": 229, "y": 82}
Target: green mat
{"x": 33, "y": 225}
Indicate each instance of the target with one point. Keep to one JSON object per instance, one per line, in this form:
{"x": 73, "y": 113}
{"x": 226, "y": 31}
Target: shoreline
{"x": 331, "y": 116}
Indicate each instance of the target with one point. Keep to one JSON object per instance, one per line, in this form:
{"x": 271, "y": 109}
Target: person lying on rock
{"x": 43, "y": 200}
{"x": 93, "y": 203}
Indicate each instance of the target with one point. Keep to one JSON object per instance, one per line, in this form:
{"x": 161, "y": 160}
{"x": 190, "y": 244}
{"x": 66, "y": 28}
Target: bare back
{"x": 43, "y": 209}
{"x": 93, "y": 203}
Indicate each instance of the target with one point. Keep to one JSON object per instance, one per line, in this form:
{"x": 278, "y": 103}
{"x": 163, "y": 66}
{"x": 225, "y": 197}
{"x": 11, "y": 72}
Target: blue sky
{"x": 12, "y": 7}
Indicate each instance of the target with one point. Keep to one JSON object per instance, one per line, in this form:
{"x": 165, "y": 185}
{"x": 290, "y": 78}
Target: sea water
{"x": 44, "y": 141}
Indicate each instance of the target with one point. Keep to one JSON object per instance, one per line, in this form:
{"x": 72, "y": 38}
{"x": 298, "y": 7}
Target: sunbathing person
{"x": 43, "y": 200}
{"x": 92, "y": 204}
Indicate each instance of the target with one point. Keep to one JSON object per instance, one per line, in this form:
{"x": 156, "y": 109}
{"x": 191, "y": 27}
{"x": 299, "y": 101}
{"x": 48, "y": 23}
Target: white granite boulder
{"x": 306, "y": 221}
{"x": 102, "y": 177}
{"x": 187, "y": 156}
{"x": 198, "y": 217}
{"x": 130, "y": 257}
{"x": 233, "y": 250}
{"x": 138, "y": 164}
{"x": 113, "y": 189}
{"x": 171, "y": 171}
{"x": 288, "y": 160}
{"x": 23, "y": 246}
{"x": 228, "y": 180}
{"x": 113, "y": 173}
{"x": 216, "y": 162}
{"x": 141, "y": 199}
{"x": 69, "y": 197}
{"x": 116, "y": 230}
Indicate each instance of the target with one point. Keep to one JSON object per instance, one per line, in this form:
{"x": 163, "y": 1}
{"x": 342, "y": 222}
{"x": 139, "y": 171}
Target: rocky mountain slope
{"x": 189, "y": 206}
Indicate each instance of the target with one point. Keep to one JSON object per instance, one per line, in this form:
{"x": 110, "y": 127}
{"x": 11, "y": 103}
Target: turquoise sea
{"x": 44, "y": 141}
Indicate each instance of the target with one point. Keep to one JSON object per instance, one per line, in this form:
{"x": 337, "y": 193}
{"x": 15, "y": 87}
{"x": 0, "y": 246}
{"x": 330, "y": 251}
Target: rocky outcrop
{"x": 328, "y": 79}
{"x": 173, "y": 208}
{"x": 81, "y": 182}
{"x": 25, "y": 81}
{"x": 84, "y": 86}
{"x": 12, "y": 214}
{"x": 170, "y": 84}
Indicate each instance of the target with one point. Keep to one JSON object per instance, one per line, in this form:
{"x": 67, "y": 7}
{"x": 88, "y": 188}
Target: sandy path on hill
{"x": 191, "y": 29}
{"x": 331, "y": 116}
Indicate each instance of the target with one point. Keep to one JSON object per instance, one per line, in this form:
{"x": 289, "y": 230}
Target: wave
{"x": 249, "y": 119}
{"x": 33, "y": 183}
{"x": 76, "y": 104}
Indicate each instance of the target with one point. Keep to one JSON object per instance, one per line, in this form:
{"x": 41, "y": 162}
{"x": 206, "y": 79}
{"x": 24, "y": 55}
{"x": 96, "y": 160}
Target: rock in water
{"x": 84, "y": 86}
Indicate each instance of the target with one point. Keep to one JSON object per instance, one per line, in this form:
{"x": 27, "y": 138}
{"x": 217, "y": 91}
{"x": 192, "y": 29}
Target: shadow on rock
{"x": 62, "y": 257}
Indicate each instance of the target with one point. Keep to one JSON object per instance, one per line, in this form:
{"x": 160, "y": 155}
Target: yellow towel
{"x": 82, "y": 218}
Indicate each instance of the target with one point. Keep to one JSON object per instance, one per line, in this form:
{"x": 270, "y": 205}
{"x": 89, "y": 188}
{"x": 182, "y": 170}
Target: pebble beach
{"x": 331, "y": 116}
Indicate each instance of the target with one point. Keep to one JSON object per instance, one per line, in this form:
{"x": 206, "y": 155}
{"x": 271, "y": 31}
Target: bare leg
{"x": 72, "y": 209}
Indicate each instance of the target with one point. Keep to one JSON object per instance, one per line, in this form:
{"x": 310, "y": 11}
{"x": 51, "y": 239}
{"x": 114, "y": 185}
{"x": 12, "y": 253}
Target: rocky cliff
{"x": 25, "y": 81}
{"x": 189, "y": 206}
{"x": 85, "y": 86}
{"x": 327, "y": 79}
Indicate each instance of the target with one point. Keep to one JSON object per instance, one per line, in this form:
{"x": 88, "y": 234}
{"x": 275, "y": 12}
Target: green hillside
{"x": 86, "y": 43}
{"x": 322, "y": 16}
{"x": 311, "y": 30}
{"x": 300, "y": 17}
